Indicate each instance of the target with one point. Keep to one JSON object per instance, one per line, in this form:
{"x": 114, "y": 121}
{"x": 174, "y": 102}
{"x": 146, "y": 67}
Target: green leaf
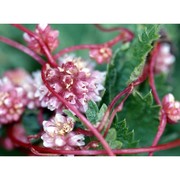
{"x": 101, "y": 112}
{"x": 140, "y": 49}
{"x": 92, "y": 112}
{"x": 124, "y": 134}
{"x": 111, "y": 139}
{"x": 30, "y": 122}
{"x": 142, "y": 116}
{"x": 128, "y": 62}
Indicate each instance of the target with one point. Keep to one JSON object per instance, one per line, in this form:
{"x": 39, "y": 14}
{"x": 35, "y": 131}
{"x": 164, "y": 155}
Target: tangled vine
{"x": 70, "y": 89}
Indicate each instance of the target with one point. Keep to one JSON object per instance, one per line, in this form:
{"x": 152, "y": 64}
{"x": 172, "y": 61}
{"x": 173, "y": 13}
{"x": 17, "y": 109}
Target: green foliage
{"x": 93, "y": 113}
{"x": 30, "y": 122}
{"x": 125, "y": 135}
{"x": 111, "y": 139}
{"x": 141, "y": 47}
{"x": 142, "y": 116}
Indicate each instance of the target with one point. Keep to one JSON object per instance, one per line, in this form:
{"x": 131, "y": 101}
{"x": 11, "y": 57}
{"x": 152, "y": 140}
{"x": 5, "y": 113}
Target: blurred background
{"x": 75, "y": 34}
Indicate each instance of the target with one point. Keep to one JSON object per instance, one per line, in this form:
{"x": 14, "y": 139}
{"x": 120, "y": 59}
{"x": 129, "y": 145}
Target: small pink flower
{"x": 12, "y": 101}
{"x": 164, "y": 60}
{"x": 21, "y": 78}
{"x": 48, "y": 35}
{"x": 101, "y": 55}
{"x": 75, "y": 82}
{"x": 58, "y": 133}
{"x": 171, "y": 108}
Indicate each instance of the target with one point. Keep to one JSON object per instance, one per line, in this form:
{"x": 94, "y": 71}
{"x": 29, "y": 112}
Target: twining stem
{"x": 49, "y": 151}
{"x": 79, "y": 115}
{"x": 108, "y": 111}
{"x": 125, "y": 35}
{"x": 151, "y": 73}
{"x": 23, "y": 49}
{"x": 163, "y": 119}
{"x": 41, "y": 42}
{"x": 161, "y": 128}
{"x": 89, "y": 46}
{"x": 130, "y": 34}
{"x": 115, "y": 111}
{"x": 127, "y": 90}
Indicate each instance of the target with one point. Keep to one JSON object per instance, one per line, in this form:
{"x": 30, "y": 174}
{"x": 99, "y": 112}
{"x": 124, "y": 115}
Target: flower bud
{"x": 171, "y": 108}
{"x": 48, "y": 35}
{"x": 101, "y": 55}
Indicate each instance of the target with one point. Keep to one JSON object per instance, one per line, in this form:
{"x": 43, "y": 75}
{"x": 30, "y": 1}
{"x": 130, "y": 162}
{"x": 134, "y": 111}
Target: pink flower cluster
{"x": 49, "y": 37}
{"x": 17, "y": 91}
{"x": 58, "y": 133}
{"x": 101, "y": 55}
{"x": 171, "y": 108}
{"x": 12, "y": 101}
{"x": 74, "y": 81}
{"x": 164, "y": 60}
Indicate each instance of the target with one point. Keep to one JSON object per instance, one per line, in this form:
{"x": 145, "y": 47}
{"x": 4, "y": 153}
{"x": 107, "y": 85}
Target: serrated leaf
{"x": 111, "y": 139}
{"x": 125, "y": 136}
{"x": 142, "y": 46}
{"x": 92, "y": 112}
{"x": 142, "y": 116}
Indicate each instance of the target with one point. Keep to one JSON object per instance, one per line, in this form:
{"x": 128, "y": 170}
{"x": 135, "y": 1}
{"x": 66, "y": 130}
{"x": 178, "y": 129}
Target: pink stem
{"x": 151, "y": 74}
{"x": 110, "y": 43}
{"x": 23, "y": 49}
{"x": 127, "y": 31}
{"x": 128, "y": 89}
{"x": 163, "y": 119}
{"x": 38, "y": 149}
{"x": 115, "y": 111}
{"x": 113, "y": 102}
{"x": 41, "y": 42}
{"x": 81, "y": 117}
{"x": 161, "y": 128}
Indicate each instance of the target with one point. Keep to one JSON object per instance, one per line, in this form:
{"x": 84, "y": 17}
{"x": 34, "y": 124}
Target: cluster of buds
{"x": 17, "y": 91}
{"x": 12, "y": 101}
{"x": 58, "y": 133}
{"x": 164, "y": 60}
{"x": 48, "y": 36}
{"x": 101, "y": 55}
{"x": 171, "y": 108}
{"x": 74, "y": 81}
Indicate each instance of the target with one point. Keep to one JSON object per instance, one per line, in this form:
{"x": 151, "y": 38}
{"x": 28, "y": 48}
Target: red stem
{"x": 41, "y": 42}
{"x": 110, "y": 43}
{"x": 151, "y": 74}
{"x": 128, "y": 89}
{"x": 161, "y": 128}
{"x": 23, "y": 49}
{"x": 163, "y": 119}
{"x": 127, "y": 31}
{"x": 81, "y": 117}
{"x": 115, "y": 111}
{"x": 40, "y": 150}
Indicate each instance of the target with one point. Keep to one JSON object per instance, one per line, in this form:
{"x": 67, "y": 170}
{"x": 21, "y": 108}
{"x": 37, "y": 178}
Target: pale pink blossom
{"x": 101, "y": 55}
{"x": 12, "y": 101}
{"x": 171, "y": 108}
{"x": 164, "y": 60}
{"x": 58, "y": 133}
{"x": 47, "y": 34}
{"x": 74, "y": 82}
{"x": 23, "y": 79}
